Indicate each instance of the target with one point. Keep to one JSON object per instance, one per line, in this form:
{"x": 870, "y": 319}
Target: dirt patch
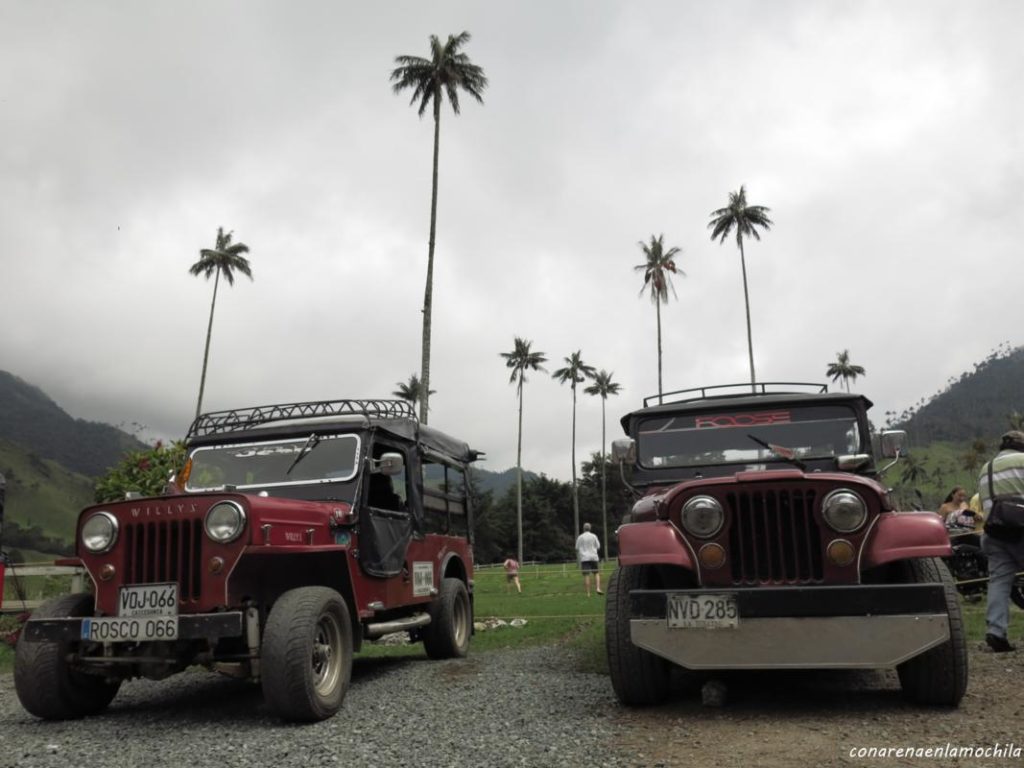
{"x": 826, "y": 718}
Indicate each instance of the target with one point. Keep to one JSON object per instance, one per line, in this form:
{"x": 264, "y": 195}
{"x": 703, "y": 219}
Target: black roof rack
{"x": 739, "y": 390}
{"x": 245, "y": 418}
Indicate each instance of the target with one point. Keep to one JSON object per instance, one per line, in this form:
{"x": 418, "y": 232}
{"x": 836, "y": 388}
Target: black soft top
{"x": 395, "y": 417}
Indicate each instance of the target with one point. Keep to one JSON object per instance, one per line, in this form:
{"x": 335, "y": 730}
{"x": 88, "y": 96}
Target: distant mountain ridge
{"x": 28, "y": 417}
{"x": 980, "y": 404}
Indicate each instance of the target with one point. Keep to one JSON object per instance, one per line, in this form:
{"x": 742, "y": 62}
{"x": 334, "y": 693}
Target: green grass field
{"x": 557, "y": 611}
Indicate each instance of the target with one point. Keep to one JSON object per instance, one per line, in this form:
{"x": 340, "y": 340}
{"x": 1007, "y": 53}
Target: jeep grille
{"x": 774, "y": 538}
{"x": 168, "y": 550}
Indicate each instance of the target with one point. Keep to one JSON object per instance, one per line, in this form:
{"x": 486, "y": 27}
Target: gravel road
{"x": 526, "y": 707}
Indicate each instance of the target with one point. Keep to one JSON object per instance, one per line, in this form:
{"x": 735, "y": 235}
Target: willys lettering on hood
{"x": 163, "y": 510}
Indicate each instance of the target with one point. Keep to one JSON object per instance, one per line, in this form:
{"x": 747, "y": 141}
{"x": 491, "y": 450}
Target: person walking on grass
{"x": 587, "y": 548}
{"x": 511, "y": 566}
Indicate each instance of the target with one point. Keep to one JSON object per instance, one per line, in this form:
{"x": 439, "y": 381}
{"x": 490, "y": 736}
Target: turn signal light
{"x": 216, "y": 564}
{"x": 107, "y": 572}
{"x": 711, "y": 556}
{"x": 841, "y": 552}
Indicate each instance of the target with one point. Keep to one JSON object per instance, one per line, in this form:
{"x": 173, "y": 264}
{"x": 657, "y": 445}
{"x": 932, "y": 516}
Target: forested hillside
{"x": 979, "y": 404}
{"x": 31, "y": 419}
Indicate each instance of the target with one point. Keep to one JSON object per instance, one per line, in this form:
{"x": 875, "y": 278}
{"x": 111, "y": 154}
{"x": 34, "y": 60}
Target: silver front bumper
{"x": 795, "y": 642}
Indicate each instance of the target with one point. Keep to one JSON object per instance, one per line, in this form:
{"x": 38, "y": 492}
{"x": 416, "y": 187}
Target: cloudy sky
{"x": 884, "y": 136}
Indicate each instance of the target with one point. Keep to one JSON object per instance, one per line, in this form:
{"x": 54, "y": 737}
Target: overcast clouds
{"x": 885, "y": 137}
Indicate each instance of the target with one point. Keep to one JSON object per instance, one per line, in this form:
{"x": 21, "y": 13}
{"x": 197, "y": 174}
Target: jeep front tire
{"x": 639, "y": 677}
{"x": 45, "y": 680}
{"x": 937, "y": 676}
{"x": 306, "y": 662}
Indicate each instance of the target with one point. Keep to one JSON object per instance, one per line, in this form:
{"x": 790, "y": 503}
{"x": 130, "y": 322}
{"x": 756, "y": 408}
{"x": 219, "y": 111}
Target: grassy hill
{"x": 31, "y": 419}
{"x": 41, "y": 493}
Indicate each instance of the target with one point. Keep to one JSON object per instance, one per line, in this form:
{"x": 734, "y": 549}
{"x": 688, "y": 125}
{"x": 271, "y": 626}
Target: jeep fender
{"x": 653, "y": 543}
{"x": 903, "y": 536}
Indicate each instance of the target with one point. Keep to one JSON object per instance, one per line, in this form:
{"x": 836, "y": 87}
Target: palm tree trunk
{"x": 575, "y": 493}
{"x": 604, "y": 495}
{"x": 428, "y": 294}
{"x": 657, "y": 309}
{"x": 206, "y": 352}
{"x": 746, "y": 302}
{"x": 519, "y": 476}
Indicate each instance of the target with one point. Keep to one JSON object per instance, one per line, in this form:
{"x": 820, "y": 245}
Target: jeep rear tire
{"x": 306, "y": 661}
{"x": 639, "y": 677}
{"x": 1017, "y": 592}
{"x": 47, "y": 684}
{"x": 451, "y": 622}
{"x": 937, "y": 676}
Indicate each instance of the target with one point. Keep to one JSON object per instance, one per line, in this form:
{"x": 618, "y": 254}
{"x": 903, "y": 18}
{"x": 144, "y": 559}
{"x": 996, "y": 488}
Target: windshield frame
{"x": 299, "y": 441}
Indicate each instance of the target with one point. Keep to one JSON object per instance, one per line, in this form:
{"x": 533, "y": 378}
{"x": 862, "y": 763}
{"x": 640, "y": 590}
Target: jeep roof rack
{"x": 760, "y": 388}
{"x": 246, "y": 418}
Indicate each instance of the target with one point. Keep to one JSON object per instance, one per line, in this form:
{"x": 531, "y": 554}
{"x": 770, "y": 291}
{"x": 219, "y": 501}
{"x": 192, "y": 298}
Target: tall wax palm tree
{"x": 604, "y": 386}
{"x": 658, "y": 270}
{"x": 445, "y": 73}
{"x": 224, "y": 258}
{"x": 745, "y": 219}
{"x": 575, "y": 372}
{"x": 521, "y": 359}
{"x": 409, "y": 390}
{"x": 843, "y": 369}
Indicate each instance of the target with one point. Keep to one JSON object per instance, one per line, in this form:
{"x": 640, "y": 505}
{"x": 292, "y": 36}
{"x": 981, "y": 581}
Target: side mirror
{"x": 892, "y": 442}
{"x": 624, "y": 450}
{"x": 390, "y": 464}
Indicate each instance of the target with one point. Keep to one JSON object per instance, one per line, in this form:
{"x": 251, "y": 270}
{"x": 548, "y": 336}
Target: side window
{"x": 444, "y": 498}
{"x": 387, "y": 491}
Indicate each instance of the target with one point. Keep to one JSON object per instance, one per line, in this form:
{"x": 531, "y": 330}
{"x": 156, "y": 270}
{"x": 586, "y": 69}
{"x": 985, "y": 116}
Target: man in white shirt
{"x": 587, "y": 548}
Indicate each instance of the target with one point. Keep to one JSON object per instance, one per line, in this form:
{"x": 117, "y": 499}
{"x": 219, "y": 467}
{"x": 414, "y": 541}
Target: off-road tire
{"x": 937, "y": 676}
{"x": 306, "y": 662}
{"x": 451, "y": 622}
{"x": 639, "y": 677}
{"x": 47, "y": 685}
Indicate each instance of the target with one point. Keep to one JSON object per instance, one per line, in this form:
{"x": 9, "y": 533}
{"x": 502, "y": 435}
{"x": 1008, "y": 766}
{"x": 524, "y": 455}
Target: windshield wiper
{"x": 308, "y": 446}
{"x": 784, "y": 453}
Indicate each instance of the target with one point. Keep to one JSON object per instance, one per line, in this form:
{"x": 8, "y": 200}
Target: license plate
{"x": 148, "y": 601}
{"x": 711, "y": 611}
{"x": 121, "y": 630}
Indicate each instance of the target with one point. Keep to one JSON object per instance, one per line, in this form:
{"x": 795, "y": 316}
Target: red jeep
{"x": 294, "y": 533}
{"x": 763, "y": 539}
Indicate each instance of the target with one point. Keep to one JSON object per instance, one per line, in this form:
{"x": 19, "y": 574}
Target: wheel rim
{"x": 326, "y": 656}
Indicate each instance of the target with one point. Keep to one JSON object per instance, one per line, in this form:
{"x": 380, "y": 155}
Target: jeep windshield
{"x": 751, "y": 438}
{"x": 307, "y": 460}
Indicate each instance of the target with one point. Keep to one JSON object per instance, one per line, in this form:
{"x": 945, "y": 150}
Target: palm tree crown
{"x": 603, "y": 386}
{"x": 225, "y": 258}
{"x": 410, "y": 390}
{"x": 745, "y": 219}
{"x": 575, "y": 372}
{"x": 843, "y": 369}
{"x": 445, "y": 73}
{"x": 521, "y": 359}
{"x": 658, "y": 269}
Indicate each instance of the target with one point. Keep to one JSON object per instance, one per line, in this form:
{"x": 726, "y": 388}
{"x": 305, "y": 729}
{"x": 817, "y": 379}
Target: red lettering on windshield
{"x": 760, "y": 419}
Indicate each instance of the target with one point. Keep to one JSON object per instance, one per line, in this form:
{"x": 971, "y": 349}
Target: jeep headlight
{"x": 703, "y": 516}
{"x": 225, "y": 521}
{"x": 844, "y": 511}
{"x": 99, "y": 533}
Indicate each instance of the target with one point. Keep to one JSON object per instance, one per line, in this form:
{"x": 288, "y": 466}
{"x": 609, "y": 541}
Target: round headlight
{"x": 225, "y": 521}
{"x": 844, "y": 511}
{"x": 703, "y": 516}
{"x": 99, "y": 533}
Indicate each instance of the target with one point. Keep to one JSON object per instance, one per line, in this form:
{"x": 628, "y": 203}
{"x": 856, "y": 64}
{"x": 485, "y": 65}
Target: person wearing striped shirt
{"x": 1004, "y": 547}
